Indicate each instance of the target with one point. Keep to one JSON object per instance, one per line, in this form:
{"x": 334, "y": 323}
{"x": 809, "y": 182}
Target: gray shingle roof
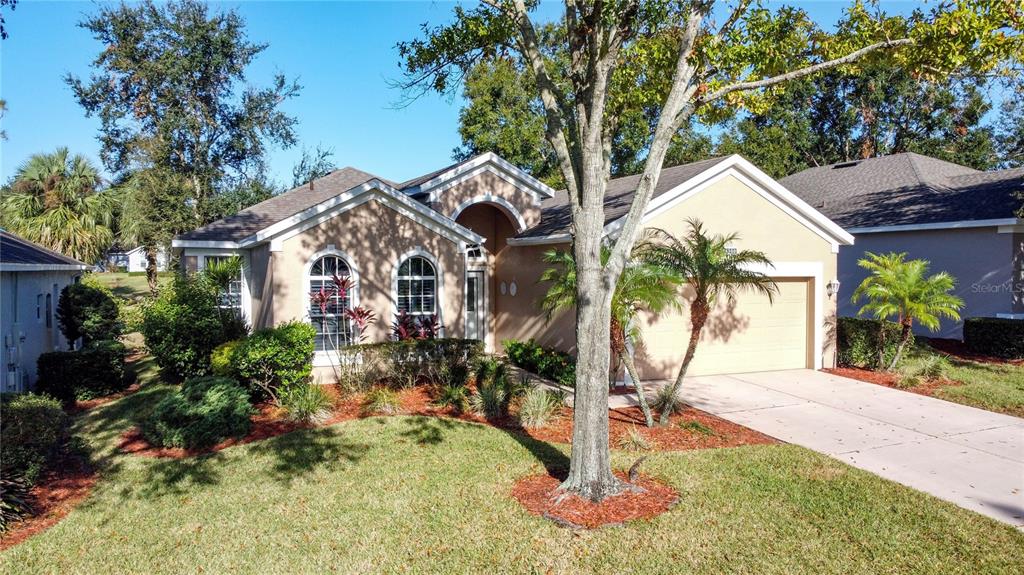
{"x": 555, "y": 213}
{"x": 269, "y": 212}
{"x": 17, "y": 250}
{"x": 907, "y": 188}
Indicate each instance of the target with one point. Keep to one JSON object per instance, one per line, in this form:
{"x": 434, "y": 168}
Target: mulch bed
{"x": 956, "y": 348}
{"x": 539, "y": 495}
{"x": 269, "y": 422}
{"x": 53, "y": 497}
{"x": 889, "y": 379}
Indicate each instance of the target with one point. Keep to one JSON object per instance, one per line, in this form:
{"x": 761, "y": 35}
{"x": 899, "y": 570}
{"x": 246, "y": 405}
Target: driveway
{"x": 971, "y": 457}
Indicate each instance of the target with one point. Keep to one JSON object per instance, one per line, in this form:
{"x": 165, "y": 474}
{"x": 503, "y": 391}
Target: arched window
{"x": 333, "y": 329}
{"x": 417, "y": 287}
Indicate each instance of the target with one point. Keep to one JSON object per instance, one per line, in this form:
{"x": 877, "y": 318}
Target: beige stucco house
{"x": 465, "y": 242}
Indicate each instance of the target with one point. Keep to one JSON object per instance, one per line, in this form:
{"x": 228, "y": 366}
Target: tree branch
{"x": 851, "y": 57}
{"x": 668, "y": 123}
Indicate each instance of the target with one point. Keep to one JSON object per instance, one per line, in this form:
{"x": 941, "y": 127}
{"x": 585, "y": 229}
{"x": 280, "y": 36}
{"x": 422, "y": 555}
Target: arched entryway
{"x": 495, "y": 223}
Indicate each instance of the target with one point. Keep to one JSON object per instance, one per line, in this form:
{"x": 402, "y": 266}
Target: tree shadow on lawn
{"x": 425, "y": 430}
{"x": 293, "y": 454}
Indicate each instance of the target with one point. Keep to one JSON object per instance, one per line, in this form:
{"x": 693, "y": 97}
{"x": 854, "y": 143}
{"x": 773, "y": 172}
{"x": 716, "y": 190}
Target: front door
{"x": 475, "y": 304}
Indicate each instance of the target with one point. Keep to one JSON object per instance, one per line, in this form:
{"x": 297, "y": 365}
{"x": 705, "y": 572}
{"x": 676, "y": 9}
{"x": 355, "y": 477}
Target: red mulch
{"x": 538, "y": 495}
{"x": 672, "y": 437}
{"x": 888, "y": 379}
{"x": 269, "y": 422}
{"x": 957, "y": 348}
{"x": 53, "y": 497}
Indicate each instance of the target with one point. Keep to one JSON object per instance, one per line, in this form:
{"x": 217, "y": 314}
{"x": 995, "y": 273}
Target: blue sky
{"x": 343, "y": 54}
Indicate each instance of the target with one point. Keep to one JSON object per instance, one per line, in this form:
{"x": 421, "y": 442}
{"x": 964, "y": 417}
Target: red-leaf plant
{"x": 406, "y": 327}
{"x": 361, "y": 318}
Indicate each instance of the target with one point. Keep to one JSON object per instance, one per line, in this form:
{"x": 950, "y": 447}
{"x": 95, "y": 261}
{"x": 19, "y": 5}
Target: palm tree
{"x": 642, "y": 286}
{"x": 712, "y": 270}
{"x": 904, "y": 290}
{"x": 53, "y": 201}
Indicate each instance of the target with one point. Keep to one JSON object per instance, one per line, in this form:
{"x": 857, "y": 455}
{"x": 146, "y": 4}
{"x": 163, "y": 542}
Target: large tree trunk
{"x": 590, "y": 470}
{"x": 698, "y": 317}
{"x": 151, "y": 271}
{"x": 904, "y": 338}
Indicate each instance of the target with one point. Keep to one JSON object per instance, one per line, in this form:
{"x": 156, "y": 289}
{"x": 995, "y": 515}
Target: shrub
{"x": 272, "y": 361}
{"x": 221, "y": 360}
{"x": 495, "y": 390}
{"x": 996, "y": 337}
{"x": 664, "y": 400}
{"x": 633, "y": 440}
{"x": 34, "y": 429}
{"x": 95, "y": 370}
{"x": 88, "y": 312}
{"x": 203, "y": 412}
{"x": 407, "y": 327}
{"x": 548, "y": 363}
{"x": 920, "y": 368}
{"x": 184, "y": 325}
{"x": 14, "y": 500}
{"x": 404, "y": 363}
{"x": 454, "y": 396}
{"x": 538, "y": 406}
{"x": 857, "y": 340}
{"x": 381, "y": 401}
{"x": 308, "y": 403}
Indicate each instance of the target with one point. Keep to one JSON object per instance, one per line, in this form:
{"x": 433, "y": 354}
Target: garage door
{"x": 751, "y": 335}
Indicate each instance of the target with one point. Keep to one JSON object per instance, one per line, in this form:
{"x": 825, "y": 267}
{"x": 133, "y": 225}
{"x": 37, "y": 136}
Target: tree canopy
{"x": 170, "y": 91}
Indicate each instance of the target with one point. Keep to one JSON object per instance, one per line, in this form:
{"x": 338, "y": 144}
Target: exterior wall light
{"x": 832, "y": 288}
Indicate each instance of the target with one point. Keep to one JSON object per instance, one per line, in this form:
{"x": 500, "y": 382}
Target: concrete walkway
{"x": 971, "y": 457}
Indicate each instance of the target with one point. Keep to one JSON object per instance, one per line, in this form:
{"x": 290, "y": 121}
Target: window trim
{"x": 438, "y": 283}
{"x": 326, "y": 358}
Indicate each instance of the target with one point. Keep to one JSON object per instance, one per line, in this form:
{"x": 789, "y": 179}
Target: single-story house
{"x": 134, "y": 260}
{"x": 962, "y": 220}
{"x": 466, "y": 243}
{"x": 31, "y": 279}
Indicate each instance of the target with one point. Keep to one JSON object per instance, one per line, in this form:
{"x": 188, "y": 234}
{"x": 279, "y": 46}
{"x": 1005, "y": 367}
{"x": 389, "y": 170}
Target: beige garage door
{"x": 751, "y": 335}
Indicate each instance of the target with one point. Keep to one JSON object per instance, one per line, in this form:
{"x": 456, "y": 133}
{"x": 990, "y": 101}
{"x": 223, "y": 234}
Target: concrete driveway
{"x": 971, "y": 457}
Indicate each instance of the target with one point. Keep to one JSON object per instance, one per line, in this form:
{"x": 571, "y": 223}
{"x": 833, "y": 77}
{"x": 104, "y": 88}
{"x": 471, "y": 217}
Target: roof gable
{"x": 674, "y": 186}
{"x": 907, "y": 190}
{"x": 17, "y": 253}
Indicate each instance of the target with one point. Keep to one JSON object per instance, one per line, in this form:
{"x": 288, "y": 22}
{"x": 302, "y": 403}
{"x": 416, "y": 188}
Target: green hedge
{"x": 549, "y": 363}
{"x": 89, "y": 312}
{"x": 857, "y": 340}
{"x": 274, "y": 360}
{"x": 205, "y": 411}
{"x": 184, "y": 325}
{"x": 404, "y": 363}
{"x": 34, "y": 428}
{"x": 95, "y": 370}
{"x": 997, "y": 337}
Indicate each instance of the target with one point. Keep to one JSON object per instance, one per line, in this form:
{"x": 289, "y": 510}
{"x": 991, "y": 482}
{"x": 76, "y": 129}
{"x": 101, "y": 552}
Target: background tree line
{"x": 183, "y": 132}
{"x": 840, "y": 115}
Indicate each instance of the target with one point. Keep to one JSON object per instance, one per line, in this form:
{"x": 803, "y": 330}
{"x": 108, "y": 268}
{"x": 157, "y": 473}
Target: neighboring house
{"x": 135, "y": 260}
{"x": 466, "y": 242}
{"x": 961, "y": 220}
{"x": 31, "y": 279}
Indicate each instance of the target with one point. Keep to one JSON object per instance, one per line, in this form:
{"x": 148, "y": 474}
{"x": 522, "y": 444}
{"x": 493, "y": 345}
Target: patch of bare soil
{"x": 540, "y": 496}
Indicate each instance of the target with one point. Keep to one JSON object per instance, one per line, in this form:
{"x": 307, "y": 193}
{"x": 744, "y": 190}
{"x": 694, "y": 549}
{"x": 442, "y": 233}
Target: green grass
{"x": 992, "y": 386}
{"x": 416, "y": 494}
{"x": 130, "y": 285}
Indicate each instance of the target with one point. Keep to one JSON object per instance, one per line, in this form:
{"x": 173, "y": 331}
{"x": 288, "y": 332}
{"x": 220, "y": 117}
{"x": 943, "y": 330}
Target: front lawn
{"x": 130, "y": 286}
{"x": 423, "y": 494}
{"x": 992, "y": 386}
